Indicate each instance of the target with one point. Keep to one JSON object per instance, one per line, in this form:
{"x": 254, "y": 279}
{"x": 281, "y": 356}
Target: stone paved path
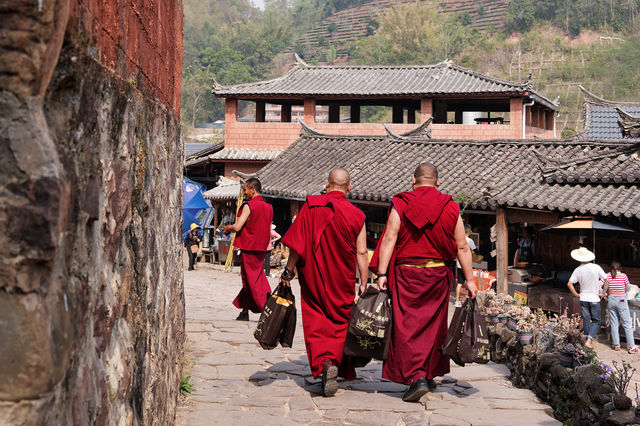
{"x": 239, "y": 383}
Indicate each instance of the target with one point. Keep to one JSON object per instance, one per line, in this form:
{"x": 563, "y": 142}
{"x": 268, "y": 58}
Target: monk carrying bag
{"x": 369, "y": 329}
{"x": 278, "y": 319}
{"x": 467, "y": 339}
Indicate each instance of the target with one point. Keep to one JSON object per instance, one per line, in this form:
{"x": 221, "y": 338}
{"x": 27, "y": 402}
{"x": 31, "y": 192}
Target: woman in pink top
{"x": 272, "y": 239}
{"x": 619, "y": 308}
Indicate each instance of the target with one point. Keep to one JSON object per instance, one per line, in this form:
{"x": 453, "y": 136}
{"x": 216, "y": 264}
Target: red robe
{"x": 324, "y": 235}
{"x": 420, "y": 296}
{"x": 253, "y": 239}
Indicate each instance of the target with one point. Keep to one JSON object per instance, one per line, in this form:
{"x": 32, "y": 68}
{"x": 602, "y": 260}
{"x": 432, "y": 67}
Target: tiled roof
{"x": 601, "y": 117}
{"x": 444, "y": 78}
{"x": 191, "y": 148}
{"x": 226, "y": 189}
{"x": 601, "y": 178}
{"x": 202, "y": 154}
{"x": 246, "y": 154}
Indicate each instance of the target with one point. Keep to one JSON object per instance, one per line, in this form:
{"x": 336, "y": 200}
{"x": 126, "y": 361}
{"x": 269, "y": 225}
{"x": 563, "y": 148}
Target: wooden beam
{"x": 502, "y": 244}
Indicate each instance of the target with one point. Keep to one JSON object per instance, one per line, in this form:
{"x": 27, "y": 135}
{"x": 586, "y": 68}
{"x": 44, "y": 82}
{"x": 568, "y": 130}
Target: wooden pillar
{"x": 398, "y": 114}
{"x": 309, "y": 111}
{"x": 502, "y": 244}
{"x": 285, "y": 113}
{"x": 458, "y": 119}
{"x": 355, "y": 113}
{"x": 216, "y": 215}
{"x": 411, "y": 115}
{"x": 334, "y": 113}
{"x": 440, "y": 112}
{"x": 260, "y": 112}
{"x": 426, "y": 109}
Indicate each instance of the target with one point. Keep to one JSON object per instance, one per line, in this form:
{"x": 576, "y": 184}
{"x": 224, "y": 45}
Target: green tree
{"x": 413, "y": 34}
{"x": 520, "y": 15}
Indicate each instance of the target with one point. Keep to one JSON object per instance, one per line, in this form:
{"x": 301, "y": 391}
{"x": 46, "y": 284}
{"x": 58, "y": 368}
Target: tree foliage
{"x": 573, "y": 15}
{"x": 413, "y": 33}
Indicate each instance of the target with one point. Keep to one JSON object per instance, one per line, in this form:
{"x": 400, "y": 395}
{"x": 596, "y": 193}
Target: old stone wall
{"x": 91, "y": 292}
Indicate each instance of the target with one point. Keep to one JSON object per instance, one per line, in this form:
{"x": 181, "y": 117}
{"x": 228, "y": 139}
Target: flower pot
{"x": 502, "y": 319}
{"x": 525, "y": 337}
{"x": 566, "y": 359}
{"x": 512, "y": 323}
{"x": 621, "y": 402}
{"x": 494, "y": 318}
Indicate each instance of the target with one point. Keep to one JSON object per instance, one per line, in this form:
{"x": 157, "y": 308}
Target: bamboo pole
{"x": 228, "y": 264}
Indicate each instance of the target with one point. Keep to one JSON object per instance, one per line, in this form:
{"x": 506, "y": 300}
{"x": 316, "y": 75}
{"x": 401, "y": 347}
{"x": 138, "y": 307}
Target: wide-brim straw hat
{"x": 194, "y": 226}
{"x": 583, "y": 254}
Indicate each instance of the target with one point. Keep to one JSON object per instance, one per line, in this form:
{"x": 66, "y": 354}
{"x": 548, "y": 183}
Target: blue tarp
{"x": 195, "y": 209}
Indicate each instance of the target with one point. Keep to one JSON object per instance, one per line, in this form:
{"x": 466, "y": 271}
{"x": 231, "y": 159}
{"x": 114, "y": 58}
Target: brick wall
{"x": 140, "y": 41}
{"x": 244, "y": 167}
{"x": 281, "y": 135}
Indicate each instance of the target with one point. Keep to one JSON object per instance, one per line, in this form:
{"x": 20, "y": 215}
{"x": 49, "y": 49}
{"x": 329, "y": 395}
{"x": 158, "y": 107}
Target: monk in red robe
{"x": 423, "y": 236}
{"x": 327, "y": 240}
{"x": 253, "y": 230}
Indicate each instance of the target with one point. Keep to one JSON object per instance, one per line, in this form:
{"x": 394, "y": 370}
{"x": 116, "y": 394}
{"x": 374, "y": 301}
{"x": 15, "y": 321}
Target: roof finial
{"x": 308, "y": 131}
{"x": 299, "y": 61}
{"x": 215, "y": 86}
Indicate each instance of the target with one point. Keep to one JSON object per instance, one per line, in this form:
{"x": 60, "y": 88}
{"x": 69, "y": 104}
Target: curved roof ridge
{"x": 217, "y": 87}
{"x": 591, "y": 98}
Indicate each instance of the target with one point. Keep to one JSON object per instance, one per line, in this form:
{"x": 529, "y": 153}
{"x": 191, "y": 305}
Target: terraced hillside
{"x": 343, "y": 28}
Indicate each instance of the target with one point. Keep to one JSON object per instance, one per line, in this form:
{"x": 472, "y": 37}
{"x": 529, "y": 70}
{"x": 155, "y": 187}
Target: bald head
{"x": 339, "y": 180}
{"x": 426, "y": 174}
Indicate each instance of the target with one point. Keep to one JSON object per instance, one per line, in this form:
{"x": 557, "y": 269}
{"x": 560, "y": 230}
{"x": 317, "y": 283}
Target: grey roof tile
{"x": 245, "y": 154}
{"x": 540, "y": 174}
{"x": 444, "y": 78}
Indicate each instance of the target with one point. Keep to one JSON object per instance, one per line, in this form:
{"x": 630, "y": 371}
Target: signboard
{"x": 520, "y": 297}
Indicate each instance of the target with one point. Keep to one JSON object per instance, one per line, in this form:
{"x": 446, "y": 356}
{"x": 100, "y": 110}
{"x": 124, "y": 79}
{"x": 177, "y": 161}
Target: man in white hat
{"x": 588, "y": 275}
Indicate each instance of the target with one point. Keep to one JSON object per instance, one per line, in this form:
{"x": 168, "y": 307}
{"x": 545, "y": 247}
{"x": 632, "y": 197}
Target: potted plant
{"x": 525, "y": 331}
{"x": 618, "y": 378}
{"x": 566, "y": 351}
{"x": 493, "y": 313}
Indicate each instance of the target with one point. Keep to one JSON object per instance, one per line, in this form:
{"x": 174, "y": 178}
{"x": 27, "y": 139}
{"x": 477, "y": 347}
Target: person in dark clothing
{"x": 193, "y": 238}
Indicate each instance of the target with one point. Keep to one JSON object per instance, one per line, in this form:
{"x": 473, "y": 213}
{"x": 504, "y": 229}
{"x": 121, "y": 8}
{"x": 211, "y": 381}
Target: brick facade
{"x": 141, "y": 43}
{"x": 241, "y": 166}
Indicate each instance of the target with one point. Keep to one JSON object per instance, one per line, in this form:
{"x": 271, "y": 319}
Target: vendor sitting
{"x": 526, "y": 248}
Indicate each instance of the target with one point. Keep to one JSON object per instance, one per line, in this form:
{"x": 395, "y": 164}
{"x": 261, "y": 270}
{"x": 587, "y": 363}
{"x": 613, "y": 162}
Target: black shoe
{"x": 190, "y": 269}
{"x": 243, "y": 316}
{"x": 329, "y": 383}
{"x": 432, "y": 385}
{"x": 416, "y": 390}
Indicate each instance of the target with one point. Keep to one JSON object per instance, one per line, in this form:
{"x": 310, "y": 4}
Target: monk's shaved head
{"x": 339, "y": 179}
{"x": 426, "y": 174}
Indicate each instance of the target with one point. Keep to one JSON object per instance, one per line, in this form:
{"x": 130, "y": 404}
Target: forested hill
{"x": 562, "y": 43}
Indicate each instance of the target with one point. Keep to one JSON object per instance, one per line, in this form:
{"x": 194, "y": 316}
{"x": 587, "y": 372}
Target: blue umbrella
{"x": 195, "y": 209}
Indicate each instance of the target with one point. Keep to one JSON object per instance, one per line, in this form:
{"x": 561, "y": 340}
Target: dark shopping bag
{"x": 289, "y": 330}
{"x": 369, "y": 327}
{"x": 274, "y": 317}
{"x": 467, "y": 340}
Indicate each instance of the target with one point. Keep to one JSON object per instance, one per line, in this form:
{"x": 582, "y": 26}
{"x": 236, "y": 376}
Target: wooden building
{"x": 463, "y": 104}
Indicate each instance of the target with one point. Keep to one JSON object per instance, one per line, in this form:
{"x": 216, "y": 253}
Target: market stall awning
{"x": 580, "y": 222}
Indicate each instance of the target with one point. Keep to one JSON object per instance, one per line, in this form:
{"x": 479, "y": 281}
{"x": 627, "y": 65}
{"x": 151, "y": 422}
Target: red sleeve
{"x": 296, "y": 236}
